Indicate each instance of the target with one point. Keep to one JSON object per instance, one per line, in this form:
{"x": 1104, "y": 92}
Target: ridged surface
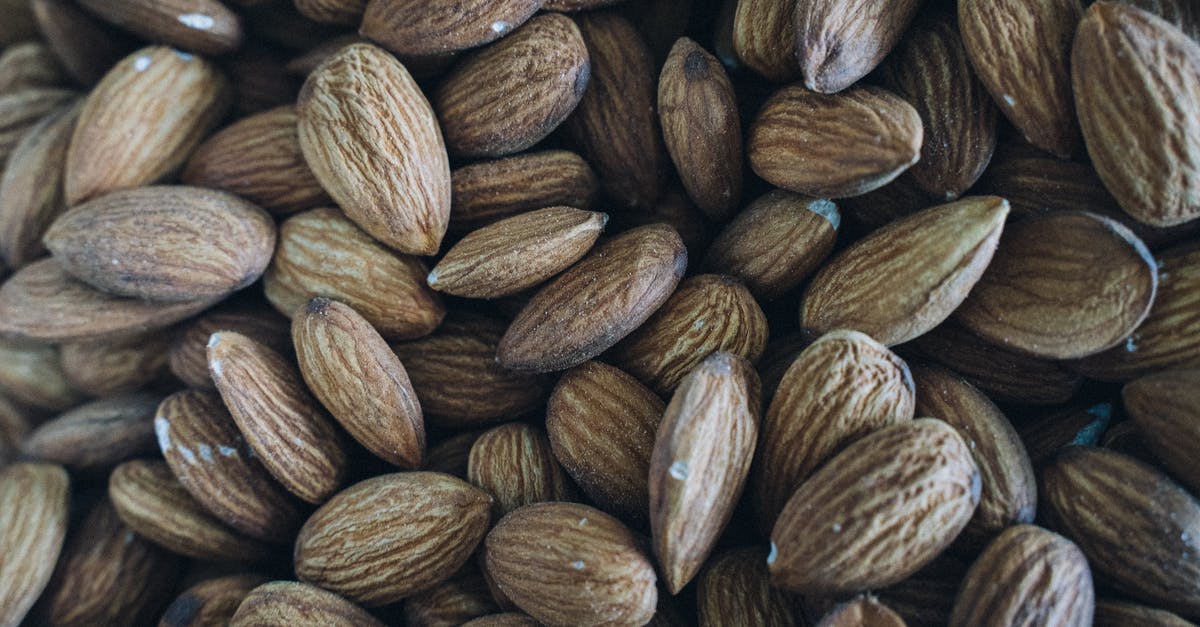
{"x": 142, "y": 121}
{"x": 295, "y": 603}
{"x": 372, "y": 140}
{"x": 514, "y": 463}
{"x": 706, "y": 313}
{"x": 490, "y": 190}
{"x": 206, "y": 452}
{"x": 152, "y": 502}
{"x": 165, "y": 243}
{"x": 877, "y": 512}
{"x": 597, "y": 302}
{"x": 321, "y": 253}
{"x": 453, "y": 602}
{"x": 1181, "y": 13}
{"x": 1156, "y": 68}
{"x": 906, "y": 278}
{"x": 1164, "y": 406}
{"x": 210, "y": 602}
{"x": 288, "y": 431}
{"x": 570, "y": 564}
{"x": 862, "y": 611}
{"x": 764, "y": 35}
{"x": 32, "y": 374}
{"x": 701, "y": 459}
{"x": 20, "y": 110}
{"x": 423, "y": 28}
{"x": 1138, "y": 529}
{"x": 259, "y": 158}
{"x": 734, "y": 589}
{"x": 841, "y": 388}
{"x": 31, "y": 194}
{"x": 29, "y": 64}
{"x": 110, "y": 367}
{"x": 33, "y": 523}
{"x": 86, "y": 46}
{"x": 353, "y": 372}
{"x": 516, "y": 253}
{"x": 1027, "y": 575}
{"x": 342, "y": 12}
{"x": 203, "y": 26}
{"x": 1113, "y": 613}
{"x": 96, "y": 435}
{"x": 837, "y": 42}
{"x": 392, "y": 536}
{"x": 833, "y": 146}
{"x": 188, "y": 355}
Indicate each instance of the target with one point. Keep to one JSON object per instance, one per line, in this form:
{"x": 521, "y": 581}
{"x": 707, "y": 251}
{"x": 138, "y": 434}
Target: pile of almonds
{"x": 599, "y": 312}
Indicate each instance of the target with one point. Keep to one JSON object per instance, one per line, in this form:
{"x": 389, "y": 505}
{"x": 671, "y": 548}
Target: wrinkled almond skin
{"x": 1112, "y": 613}
{"x": 735, "y": 589}
{"x": 188, "y": 355}
{"x": 343, "y": 12}
{"x": 31, "y": 194}
{"x": 21, "y": 110}
{"x": 85, "y": 46}
{"x": 906, "y": 278}
{"x": 210, "y": 602}
{"x": 1164, "y": 406}
{"x": 434, "y": 527}
{"x": 514, "y": 463}
{"x": 456, "y": 601}
{"x": 487, "y": 191}
{"x": 852, "y": 508}
{"x": 356, "y": 376}
{"x": 296, "y": 603}
{"x": 1180, "y": 13}
{"x": 201, "y": 26}
{"x": 570, "y": 564}
{"x": 108, "y": 368}
{"x": 177, "y": 99}
{"x": 833, "y": 146}
{"x": 372, "y": 140}
{"x": 32, "y": 374}
{"x": 840, "y": 41}
{"x": 421, "y": 28}
{"x": 597, "y": 302}
{"x": 96, "y": 435}
{"x": 33, "y": 522}
{"x": 764, "y": 35}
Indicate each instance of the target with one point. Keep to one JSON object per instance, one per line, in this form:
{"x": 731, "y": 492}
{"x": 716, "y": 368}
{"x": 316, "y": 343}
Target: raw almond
{"x": 32, "y": 374}
{"x": 735, "y": 589}
{"x": 85, "y": 46}
{"x": 296, "y": 603}
{"x": 188, "y": 354}
{"x": 452, "y": 455}
{"x": 343, "y": 12}
{"x": 452, "y": 603}
{"x": 404, "y": 550}
{"x": 508, "y": 619}
{"x": 29, "y": 64}
{"x": 111, "y": 367}
{"x": 514, "y": 463}
{"x": 96, "y": 435}
{"x": 597, "y": 302}
{"x": 372, "y": 140}
{"x": 764, "y": 36}
{"x": 1181, "y": 13}
{"x": 202, "y": 26}
{"x": 33, "y": 521}
{"x": 212, "y": 601}
{"x": 487, "y": 191}
{"x": 14, "y": 425}
{"x": 1082, "y": 425}
{"x": 838, "y": 42}
{"x": 21, "y": 109}
{"x": 31, "y": 194}
{"x": 420, "y": 28}
{"x": 1112, "y": 613}
{"x": 862, "y": 611}
{"x": 1164, "y": 406}
{"x": 906, "y": 278}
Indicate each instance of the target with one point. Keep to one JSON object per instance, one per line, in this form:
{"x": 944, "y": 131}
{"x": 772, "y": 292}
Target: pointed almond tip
{"x": 432, "y": 279}
{"x": 214, "y": 339}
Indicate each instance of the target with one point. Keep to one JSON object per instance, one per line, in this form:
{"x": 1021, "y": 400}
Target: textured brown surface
{"x": 764, "y": 32}
{"x": 735, "y": 589}
{"x": 201, "y": 26}
{"x": 514, "y": 463}
{"x": 188, "y": 354}
{"x": 486, "y": 191}
{"x": 33, "y": 374}
{"x": 210, "y": 602}
{"x": 33, "y": 521}
{"x": 837, "y": 42}
{"x": 105, "y": 368}
{"x": 295, "y": 603}
{"x": 96, "y": 435}
{"x": 1164, "y": 407}
{"x": 424, "y": 28}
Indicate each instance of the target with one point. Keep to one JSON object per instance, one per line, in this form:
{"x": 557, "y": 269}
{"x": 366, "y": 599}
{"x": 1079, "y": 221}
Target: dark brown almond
{"x": 508, "y": 619}
{"x": 296, "y": 603}
{"x": 764, "y": 36}
{"x": 261, "y": 81}
{"x": 927, "y": 597}
{"x": 32, "y": 374}
{"x": 894, "y": 201}
{"x": 422, "y": 28}
{"x": 1112, "y": 613}
{"x": 85, "y": 46}
{"x": 29, "y": 64}
{"x": 1080, "y": 425}
{"x": 34, "y": 500}
{"x": 514, "y": 463}
{"x": 1164, "y": 406}
{"x": 675, "y": 209}
{"x": 20, "y": 110}
{"x": 452, "y": 455}
{"x": 188, "y": 354}
{"x": 487, "y": 191}
{"x": 111, "y": 367}
{"x": 597, "y": 302}
{"x": 210, "y": 602}
{"x": 97, "y": 435}
{"x": 453, "y": 602}
{"x": 735, "y": 589}
{"x": 341, "y": 12}
{"x": 838, "y": 42}
{"x": 202, "y": 26}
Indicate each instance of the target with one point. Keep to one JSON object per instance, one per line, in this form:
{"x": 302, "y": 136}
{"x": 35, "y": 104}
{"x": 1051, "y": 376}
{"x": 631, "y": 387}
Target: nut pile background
{"x": 589, "y": 312}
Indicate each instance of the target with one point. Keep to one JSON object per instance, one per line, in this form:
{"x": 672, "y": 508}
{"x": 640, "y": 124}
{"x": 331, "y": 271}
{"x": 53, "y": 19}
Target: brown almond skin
{"x": 20, "y": 110}
{"x": 706, "y": 314}
{"x": 799, "y": 232}
{"x": 322, "y": 253}
{"x": 372, "y": 140}
{"x": 1081, "y": 424}
{"x": 296, "y": 603}
{"x": 484, "y": 192}
{"x": 908, "y": 276}
{"x": 259, "y": 158}
{"x": 420, "y": 28}
{"x": 840, "y": 41}
{"x": 1137, "y": 528}
{"x": 863, "y": 610}
{"x": 1164, "y": 406}
{"x": 700, "y": 463}
{"x": 85, "y": 46}
{"x": 261, "y": 81}
{"x": 763, "y": 33}
{"x": 178, "y": 99}
{"x": 29, "y": 64}
{"x": 356, "y": 376}
{"x": 570, "y": 564}
{"x": 1157, "y": 66}
{"x": 14, "y": 425}
{"x": 164, "y": 243}
{"x": 288, "y": 431}
{"x": 516, "y": 253}
{"x": 508, "y": 619}
{"x": 602, "y": 425}
{"x": 839, "y": 389}
{"x": 514, "y": 463}
{"x": 1180, "y": 13}
{"x": 597, "y": 302}
{"x": 188, "y": 354}
{"x": 108, "y": 368}
{"x": 735, "y": 589}
{"x": 210, "y": 602}
{"x": 96, "y": 435}
{"x": 201, "y": 443}
{"x": 841, "y": 510}
{"x": 201, "y": 26}
{"x": 699, "y": 115}
{"x": 1027, "y": 571}
{"x": 1113, "y": 613}
{"x": 32, "y": 374}
{"x": 534, "y": 79}
{"x": 833, "y": 146}
{"x": 31, "y": 194}
{"x": 343, "y": 12}
{"x": 927, "y": 597}
{"x": 453, "y": 602}
{"x": 33, "y": 523}
{"x": 405, "y": 549}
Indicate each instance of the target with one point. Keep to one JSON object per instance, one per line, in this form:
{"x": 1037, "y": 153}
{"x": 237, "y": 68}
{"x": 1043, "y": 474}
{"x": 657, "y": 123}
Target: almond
{"x": 927, "y": 597}
{"x": 142, "y": 121}
{"x": 735, "y": 589}
{"x": 281, "y": 422}
{"x": 837, "y": 42}
{"x": 916, "y": 475}
{"x": 33, "y": 374}
{"x": 620, "y": 284}
{"x": 321, "y": 253}
{"x": 343, "y": 12}
{"x": 188, "y": 354}
{"x": 418, "y": 28}
{"x": 1163, "y": 406}
{"x": 764, "y": 34}
{"x": 111, "y": 367}
{"x": 85, "y": 46}
{"x": 14, "y": 425}
{"x": 168, "y": 243}
{"x": 1110, "y": 613}
{"x": 570, "y": 564}
{"x": 575, "y": 5}
{"x": 404, "y": 550}
{"x": 486, "y": 191}
{"x": 33, "y": 521}
{"x": 1181, "y": 13}
{"x": 29, "y": 64}
{"x": 516, "y": 253}
{"x": 1083, "y": 425}
{"x": 676, "y": 210}
{"x": 452, "y": 455}
{"x": 514, "y": 464}
{"x": 356, "y": 376}
{"x": 261, "y": 82}
{"x": 1021, "y": 52}
{"x": 452, "y": 603}
{"x": 833, "y": 146}
{"x": 372, "y": 140}
{"x": 906, "y": 278}
{"x": 20, "y": 25}
{"x": 842, "y": 387}
{"x": 202, "y": 26}
{"x": 212, "y": 601}
{"x": 509, "y": 619}
{"x": 700, "y": 463}
{"x": 890, "y": 203}
{"x": 21, "y": 109}
{"x": 96, "y": 435}
{"x": 295, "y": 603}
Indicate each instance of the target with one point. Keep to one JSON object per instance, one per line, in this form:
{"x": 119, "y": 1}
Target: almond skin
{"x": 31, "y": 195}
{"x": 840, "y": 41}
{"x": 833, "y": 146}
{"x": 188, "y": 355}
{"x": 1163, "y": 406}
{"x": 764, "y": 36}
{"x": 838, "y": 515}
{"x": 96, "y": 435}
{"x": 454, "y": 602}
{"x": 516, "y": 253}
{"x": 487, "y": 191}
{"x": 372, "y": 140}
{"x": 212, "y": 601}
{"x": 570, "y": 564}
{"x": 906, "y": 278}
{"x": 33, "y": 522}
{"x": 420, "y": 28}
{"x": 345, "y": 12}
{"x": 168, "y": 243}
{"x": 201, "y": 26}
{"x": 1157, "y": 68}
{"x": 356, "y": 376}
{"x": 404, "y": 549}
{"x": 514, "y": 463}
{"x": 620, "y": 284}
{"x": 735, "y": 589}
{"x": 1111, "y": 613}
{"x": 296, "y": 603}
{"x": 29, "y": 64}
{"x": 20, "y": 111}
{"x": 142, "y": 121}
{"x": 1180, "y": 13}
{"x": 85, "y": 46}
{"x": 32, "y": 374}
{"x": 862, "y": 611}
{"x": 108, "y": 368}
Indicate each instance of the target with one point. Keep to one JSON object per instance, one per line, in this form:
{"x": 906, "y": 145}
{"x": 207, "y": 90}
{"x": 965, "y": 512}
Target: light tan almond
{"x": 296, "y": 603}
{"x": 33, "y": 522}
{"x": 514, "y": 464}
{"x": 31, "y": 194}
{"x": 111, "y": 367}
{"x": 32, "y": 374}
{"x": 97, "y": 435}
{"x": 1181, "y": 13}
{"x": 188, "y": 354}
